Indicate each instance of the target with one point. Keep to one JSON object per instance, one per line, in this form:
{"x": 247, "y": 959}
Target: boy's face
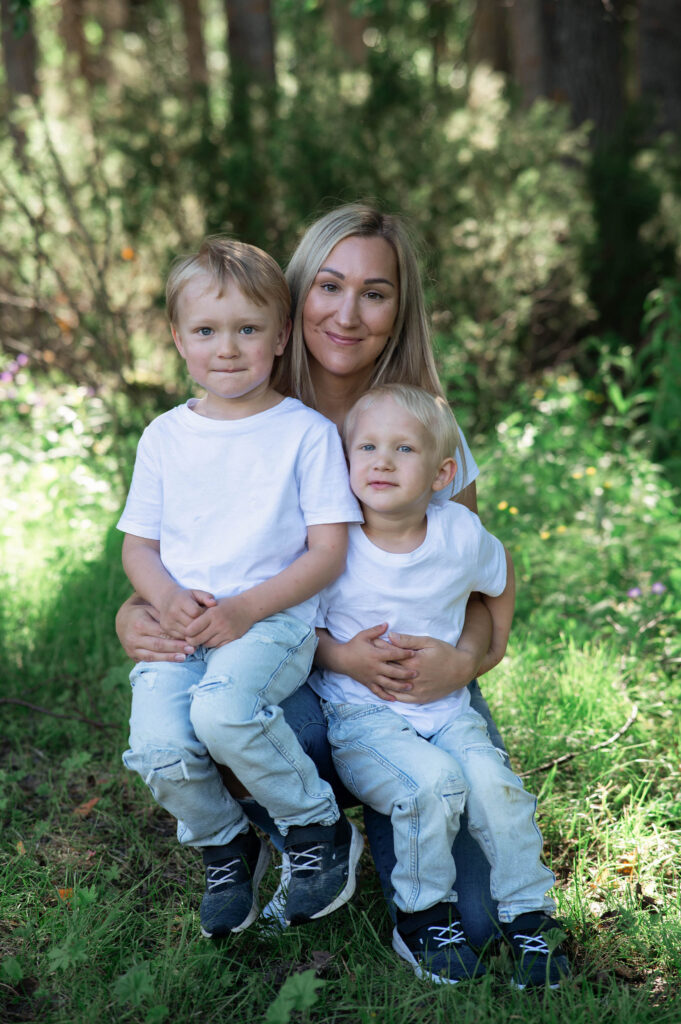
{"x": 393, "y": 465}
{"x": 229, "y": 343}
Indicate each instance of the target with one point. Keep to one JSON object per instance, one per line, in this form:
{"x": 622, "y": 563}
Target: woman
{"x": 359, "y": 320}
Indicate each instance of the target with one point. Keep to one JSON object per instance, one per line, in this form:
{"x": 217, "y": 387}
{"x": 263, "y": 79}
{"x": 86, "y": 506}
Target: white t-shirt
{"x": 422, "y": 592}
{"x": 461, "y": 479}
{"x": 231, "y": 500}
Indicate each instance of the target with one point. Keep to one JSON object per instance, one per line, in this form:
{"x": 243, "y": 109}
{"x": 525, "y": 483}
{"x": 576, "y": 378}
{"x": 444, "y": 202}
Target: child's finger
{"x": 406, "y": 640}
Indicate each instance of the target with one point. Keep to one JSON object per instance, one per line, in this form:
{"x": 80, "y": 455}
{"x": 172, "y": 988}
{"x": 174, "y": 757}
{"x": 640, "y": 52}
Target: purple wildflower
{"x": 634, "y": 592}
{"x": 657, "y": 588}
{"x": 22, "y": 359}
{"x": 6, "y": 376}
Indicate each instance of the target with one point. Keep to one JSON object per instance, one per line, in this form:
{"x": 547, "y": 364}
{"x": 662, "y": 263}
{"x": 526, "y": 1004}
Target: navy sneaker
{"x": 434, "y": 943}
{"x": 535, "y": 941}
{"x": 323, "y": 860}
{"x": 233, "y": 874}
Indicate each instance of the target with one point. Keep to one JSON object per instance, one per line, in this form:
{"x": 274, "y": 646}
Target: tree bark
{"x": 196, "y": 52}
{"x": 659, "y": 51}
{"x": 250, "y": 39}
{"x": 20, "y": 51}
{"x": 587, "y": 42}
{"x": 528, "y": 45}
{"x": 71, "y": 25}
{"x": 347, "y": 30}
{"x": 489, "y": 42}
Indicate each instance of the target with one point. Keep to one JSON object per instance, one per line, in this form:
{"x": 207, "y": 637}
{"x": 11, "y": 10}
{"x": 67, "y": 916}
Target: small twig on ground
{"x": 577, "y": 753}
{"x": 56, "y": 714}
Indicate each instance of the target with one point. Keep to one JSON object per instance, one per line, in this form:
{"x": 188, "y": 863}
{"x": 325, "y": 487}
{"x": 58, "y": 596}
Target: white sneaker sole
{"x": 260, "y": 869}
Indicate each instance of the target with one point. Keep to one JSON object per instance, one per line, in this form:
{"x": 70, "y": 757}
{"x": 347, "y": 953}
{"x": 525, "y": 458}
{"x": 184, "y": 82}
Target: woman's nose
{"x": 347, "y": 313}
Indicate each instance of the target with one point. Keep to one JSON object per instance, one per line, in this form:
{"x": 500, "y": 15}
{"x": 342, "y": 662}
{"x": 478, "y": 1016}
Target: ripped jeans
{"x": 424, "y": 785}
{"x": 223, "y": 704}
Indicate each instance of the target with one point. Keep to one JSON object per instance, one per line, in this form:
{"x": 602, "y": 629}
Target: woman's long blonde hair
{"x": 407, "y": 357}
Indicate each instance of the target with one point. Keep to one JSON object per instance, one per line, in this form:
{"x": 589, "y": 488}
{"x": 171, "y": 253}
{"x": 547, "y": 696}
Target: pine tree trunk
{"x": 20, "y": 52}
{"x": 659, "y": 51}
{"x": 250, "y": 39}
{"x": 489, "y": 42}
{"x": 529, "y": 53}
{"x": 196, "y": 53}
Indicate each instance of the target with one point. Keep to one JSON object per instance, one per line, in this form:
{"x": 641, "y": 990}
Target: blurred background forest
{"x": 533, "y": 144}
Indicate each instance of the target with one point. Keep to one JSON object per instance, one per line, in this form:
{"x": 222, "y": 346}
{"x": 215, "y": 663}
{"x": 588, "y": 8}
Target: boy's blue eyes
{"x": 207, "y": 332}
{"x": 372, "y": 447}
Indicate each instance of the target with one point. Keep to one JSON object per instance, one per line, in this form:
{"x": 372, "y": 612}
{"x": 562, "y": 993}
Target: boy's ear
{"x": 283, "y": 337}
{"x": 176, "y": 339}
{"x": 445, "y": 474}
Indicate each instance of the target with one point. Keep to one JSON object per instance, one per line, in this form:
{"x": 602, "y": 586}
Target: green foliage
{"x": 299, "y": 992}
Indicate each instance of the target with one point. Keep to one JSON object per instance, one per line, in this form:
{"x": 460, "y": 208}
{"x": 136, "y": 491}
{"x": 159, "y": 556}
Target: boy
{"x": 414, "y": 564}
{"x": 236, "y": 518}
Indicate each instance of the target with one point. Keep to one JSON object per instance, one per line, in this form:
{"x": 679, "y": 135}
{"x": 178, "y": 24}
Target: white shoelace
{"x": 306, "y": 860}
{"x": 533, "y": 944}
{"x": 449, "y": 935}
{"x": 219, "y": 874}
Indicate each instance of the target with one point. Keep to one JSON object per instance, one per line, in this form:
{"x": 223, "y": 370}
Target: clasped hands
{"x": 202, "y": 620}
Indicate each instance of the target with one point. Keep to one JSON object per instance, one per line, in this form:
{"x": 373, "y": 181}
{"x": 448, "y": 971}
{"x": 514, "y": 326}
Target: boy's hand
{"x": 228, "y": 620}
{"x": 178, "y": 608}
{"x": 439, "y": 668}
{"x": 376, "y": 663}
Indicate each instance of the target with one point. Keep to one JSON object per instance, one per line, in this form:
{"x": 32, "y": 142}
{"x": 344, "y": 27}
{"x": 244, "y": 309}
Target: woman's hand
{"x": 440, "y": 668}
{"x": 141, "y": 636}
{"x": 370, "y": 660}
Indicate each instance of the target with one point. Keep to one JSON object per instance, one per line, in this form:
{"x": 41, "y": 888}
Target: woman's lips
{"x": 339, "y": 339}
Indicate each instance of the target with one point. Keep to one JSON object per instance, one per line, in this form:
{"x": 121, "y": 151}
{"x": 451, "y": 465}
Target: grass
{"x": 99, "y": 904}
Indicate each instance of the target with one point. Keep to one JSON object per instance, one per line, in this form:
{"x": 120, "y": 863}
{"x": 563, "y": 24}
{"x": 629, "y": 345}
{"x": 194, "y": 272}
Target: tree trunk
{"x": 250, "y": 39}
{"x": 528, "y": 45}
{"x": 489, "y": 42}
{"x": 659, "y": 50}
{"x": 587, "y": 42}
{"x": 347, "y": 30}
{"x": 196, "y": 53}
{"x": 72, "y": 18}
{"x": 20, "y": 52}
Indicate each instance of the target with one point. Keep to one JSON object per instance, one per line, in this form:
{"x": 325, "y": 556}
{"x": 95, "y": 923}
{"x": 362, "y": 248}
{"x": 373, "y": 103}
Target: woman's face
{"x": 351, "y": 308}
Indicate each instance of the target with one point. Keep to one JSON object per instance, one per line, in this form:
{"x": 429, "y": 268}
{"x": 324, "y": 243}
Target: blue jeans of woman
{"x": 475, "y": 904}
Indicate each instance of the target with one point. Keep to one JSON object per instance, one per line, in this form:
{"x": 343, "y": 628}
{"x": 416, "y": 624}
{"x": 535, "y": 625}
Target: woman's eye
{"x": 329, "y": 286}
{"x": 374, "y": 295}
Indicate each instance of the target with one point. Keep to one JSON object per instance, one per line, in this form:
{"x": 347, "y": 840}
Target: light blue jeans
{"x": 424, "y": 786}
{"x": 223, "y": 704}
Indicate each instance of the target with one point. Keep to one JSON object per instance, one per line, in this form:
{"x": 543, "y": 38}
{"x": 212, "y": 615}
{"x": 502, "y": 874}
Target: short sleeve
{"x": 142, "y": 513}
{"x": 466, "y": 472}
{"x": 323, "y": 482}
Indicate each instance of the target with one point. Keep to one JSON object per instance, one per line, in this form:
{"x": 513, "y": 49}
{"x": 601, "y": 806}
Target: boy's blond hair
{"x": 226, "y": 261}
{"x": 431, "y": 411}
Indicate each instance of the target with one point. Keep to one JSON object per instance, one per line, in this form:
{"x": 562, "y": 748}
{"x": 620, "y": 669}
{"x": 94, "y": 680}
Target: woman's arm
{"x": 441, "y": 669}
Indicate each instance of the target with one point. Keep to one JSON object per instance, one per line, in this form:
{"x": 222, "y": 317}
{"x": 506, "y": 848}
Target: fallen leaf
{"x": 87, "y": 807}
{"x": 21, "y": 849}
{"x": 626, "y": 863}
{"x": 65, "y": 894}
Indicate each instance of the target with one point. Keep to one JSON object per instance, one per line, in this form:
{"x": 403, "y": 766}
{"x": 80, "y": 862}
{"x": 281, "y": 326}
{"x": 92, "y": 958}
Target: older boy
{"x": 236, "y": 518}
{"x": 413, "y": 564}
